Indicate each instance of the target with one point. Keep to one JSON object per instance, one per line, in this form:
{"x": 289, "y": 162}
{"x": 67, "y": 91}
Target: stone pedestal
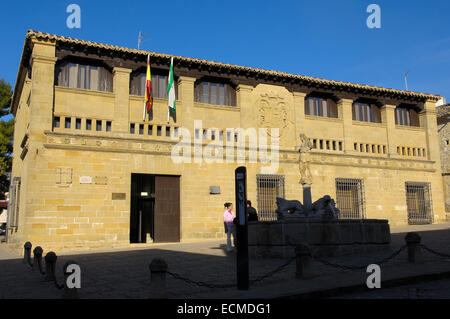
{"x": 279, "y": 238}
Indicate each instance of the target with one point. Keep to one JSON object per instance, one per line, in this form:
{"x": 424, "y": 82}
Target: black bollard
{"x": 242, "y": 263}
{"x": 303, "y": 262}
{"x": 75, "y": 283}
{"x": 37, "y": 259}
{"x": 414, "y": 251}
{"x": 50, "y": 266}
{"x": 158, "y": 270}
{"x": 27, "y": 254}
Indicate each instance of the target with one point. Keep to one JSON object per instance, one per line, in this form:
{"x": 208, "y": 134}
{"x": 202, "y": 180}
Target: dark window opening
{"x": 407, "y": 115}
{"x": 365, "y": 112}
{"x": 84, "y": 76}
{"x": 214, "y": 93}
{"x": 56, "y": 121}
{"x": 320, "y": 106}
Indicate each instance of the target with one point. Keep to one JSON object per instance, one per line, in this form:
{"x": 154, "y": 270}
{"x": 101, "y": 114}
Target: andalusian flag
{"x": 148, "y": 90}
{"x": 171, "y": 91}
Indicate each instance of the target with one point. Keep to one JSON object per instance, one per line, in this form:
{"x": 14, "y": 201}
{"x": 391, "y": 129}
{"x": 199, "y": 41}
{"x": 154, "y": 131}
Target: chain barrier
{"x": 273, "y": 272}
{"x": 345, "y": 267}
{"x": 58, "y": 285}
{"x": 210, "y": 285}
{"x": 199, "y": 283}
{"x": 434, "y": 251}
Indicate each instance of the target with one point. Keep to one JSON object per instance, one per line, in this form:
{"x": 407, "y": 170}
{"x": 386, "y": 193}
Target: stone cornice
{"x": 135, "y": 145}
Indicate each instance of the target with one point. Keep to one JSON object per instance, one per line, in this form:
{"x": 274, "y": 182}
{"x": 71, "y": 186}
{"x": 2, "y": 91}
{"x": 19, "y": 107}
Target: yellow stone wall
{"x": 59, "y": 212}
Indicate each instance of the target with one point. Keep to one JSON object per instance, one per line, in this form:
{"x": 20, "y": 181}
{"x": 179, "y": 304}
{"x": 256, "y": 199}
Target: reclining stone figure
{"x": 324, "y": 208}
{"x": 289, "y": 208}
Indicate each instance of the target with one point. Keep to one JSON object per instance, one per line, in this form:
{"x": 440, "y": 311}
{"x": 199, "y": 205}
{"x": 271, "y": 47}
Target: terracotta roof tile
{"x": 41, "y": 35}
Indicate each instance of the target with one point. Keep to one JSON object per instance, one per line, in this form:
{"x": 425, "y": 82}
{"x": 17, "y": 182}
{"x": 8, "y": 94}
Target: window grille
{"x": 350, "y": 198}
{"x": 418, "y": 203}
{"x": 269, "y": 187}
{"x": 13, "y": 209}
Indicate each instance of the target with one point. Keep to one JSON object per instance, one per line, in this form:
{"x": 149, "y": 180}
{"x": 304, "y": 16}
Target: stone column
{"x": 244, "y": 101}
{"x": 121, "y": 100}
{"x": 299, "y": 112}
{"x": 42, "y": 90}
{"x": 388, "y": 118}
{"x": 186, "y": 96}
{"x": 345, "y": 113}
{"x": 429, "y": 122}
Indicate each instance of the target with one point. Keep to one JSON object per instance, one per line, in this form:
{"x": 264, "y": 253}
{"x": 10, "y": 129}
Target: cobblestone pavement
{"x": 125, "y": 273}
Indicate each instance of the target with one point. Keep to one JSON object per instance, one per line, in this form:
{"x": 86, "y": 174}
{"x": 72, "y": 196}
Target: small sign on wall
{"x": 214, "y": 189}
{"x": 85, "y": 179}
{"x": 119, "y": 196}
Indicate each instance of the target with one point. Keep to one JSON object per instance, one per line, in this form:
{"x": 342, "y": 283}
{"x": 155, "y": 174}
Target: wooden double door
{"x": 155, "y": 208}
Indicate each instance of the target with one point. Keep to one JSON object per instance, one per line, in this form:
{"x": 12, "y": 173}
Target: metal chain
{"x": 345, "y": 267}
{"x": 435, "y": 252}
{"x": 58, "y": 285}
{"x": 210, "y": 285}
{"x": 199, "y": 283}
{"x": 273, "y": 272}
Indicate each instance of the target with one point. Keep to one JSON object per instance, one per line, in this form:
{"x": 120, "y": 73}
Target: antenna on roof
{"x": 141, "y": 39}
{"x": 406, "y": 80}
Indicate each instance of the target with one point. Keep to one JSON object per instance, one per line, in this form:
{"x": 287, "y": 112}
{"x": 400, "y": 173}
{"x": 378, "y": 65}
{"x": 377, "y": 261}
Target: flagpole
{"x": 143, "y": 115}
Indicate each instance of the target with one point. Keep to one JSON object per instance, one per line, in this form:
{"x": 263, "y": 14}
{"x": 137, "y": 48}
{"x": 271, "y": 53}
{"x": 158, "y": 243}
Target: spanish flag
{"x": 148, "y": 90}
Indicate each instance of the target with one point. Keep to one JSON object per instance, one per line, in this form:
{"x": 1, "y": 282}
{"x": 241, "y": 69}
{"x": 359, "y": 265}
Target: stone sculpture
{"x": 324, "y": 208}
{"x": 304, "y": 159}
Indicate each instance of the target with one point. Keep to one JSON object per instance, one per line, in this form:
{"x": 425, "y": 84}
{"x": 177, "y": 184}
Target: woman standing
{"x": 228, "y": 216}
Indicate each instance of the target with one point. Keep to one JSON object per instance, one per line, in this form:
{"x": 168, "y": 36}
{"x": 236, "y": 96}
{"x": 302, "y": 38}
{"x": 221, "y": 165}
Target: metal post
{"x": 303, "y": 262}
{"x": 27, "y": 254}
{"x": 50, "y": 266}
{"x": 140, "y": 226}
{"x": 69, "y": 292}
{"x": 158, "y": 269}
{"x": 414, "y": 251}
{"x": 241, "y": 228}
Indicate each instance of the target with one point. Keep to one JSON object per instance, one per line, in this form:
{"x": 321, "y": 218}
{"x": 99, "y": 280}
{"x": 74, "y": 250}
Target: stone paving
{"x": 124, "y": 273}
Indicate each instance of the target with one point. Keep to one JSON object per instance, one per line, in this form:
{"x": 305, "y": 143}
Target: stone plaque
{"x": 100, "y": 180}
{"x": 119, "y": 196}
{"x": 214, "y": 189}
{"x": 85, "y": 179}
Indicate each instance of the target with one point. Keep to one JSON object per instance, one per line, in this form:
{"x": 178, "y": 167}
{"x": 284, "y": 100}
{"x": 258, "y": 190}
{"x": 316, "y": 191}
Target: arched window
{"x": 320, "y": 106}
{"x": 366, "y": 112}
{"x": 83, "y": 76}
{"x": 218, "y": 93}
{"x": 407, "y": 115}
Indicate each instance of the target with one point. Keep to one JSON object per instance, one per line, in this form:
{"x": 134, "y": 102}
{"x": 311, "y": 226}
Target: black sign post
{"x": 241, "y": 228}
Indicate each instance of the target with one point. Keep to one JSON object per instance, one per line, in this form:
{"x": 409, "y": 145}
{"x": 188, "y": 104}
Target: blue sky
{"x": 322, "y": 38}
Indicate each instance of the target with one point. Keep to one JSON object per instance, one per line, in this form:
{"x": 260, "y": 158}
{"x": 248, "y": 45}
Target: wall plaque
{"x": 119, "y": 196}
{"x": 100, "y": 180}
{"x": 85, "y": 179}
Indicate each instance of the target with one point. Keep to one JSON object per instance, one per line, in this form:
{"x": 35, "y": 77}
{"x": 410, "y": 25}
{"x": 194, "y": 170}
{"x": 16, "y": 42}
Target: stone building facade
{"x": 89, "y": 172}
{"x": 443, "y": 117}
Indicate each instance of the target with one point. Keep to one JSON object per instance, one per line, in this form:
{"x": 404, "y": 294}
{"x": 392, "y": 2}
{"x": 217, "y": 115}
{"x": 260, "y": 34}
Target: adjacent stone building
{"x": 88, "y": 171}
{"x": 443, "y": 118}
